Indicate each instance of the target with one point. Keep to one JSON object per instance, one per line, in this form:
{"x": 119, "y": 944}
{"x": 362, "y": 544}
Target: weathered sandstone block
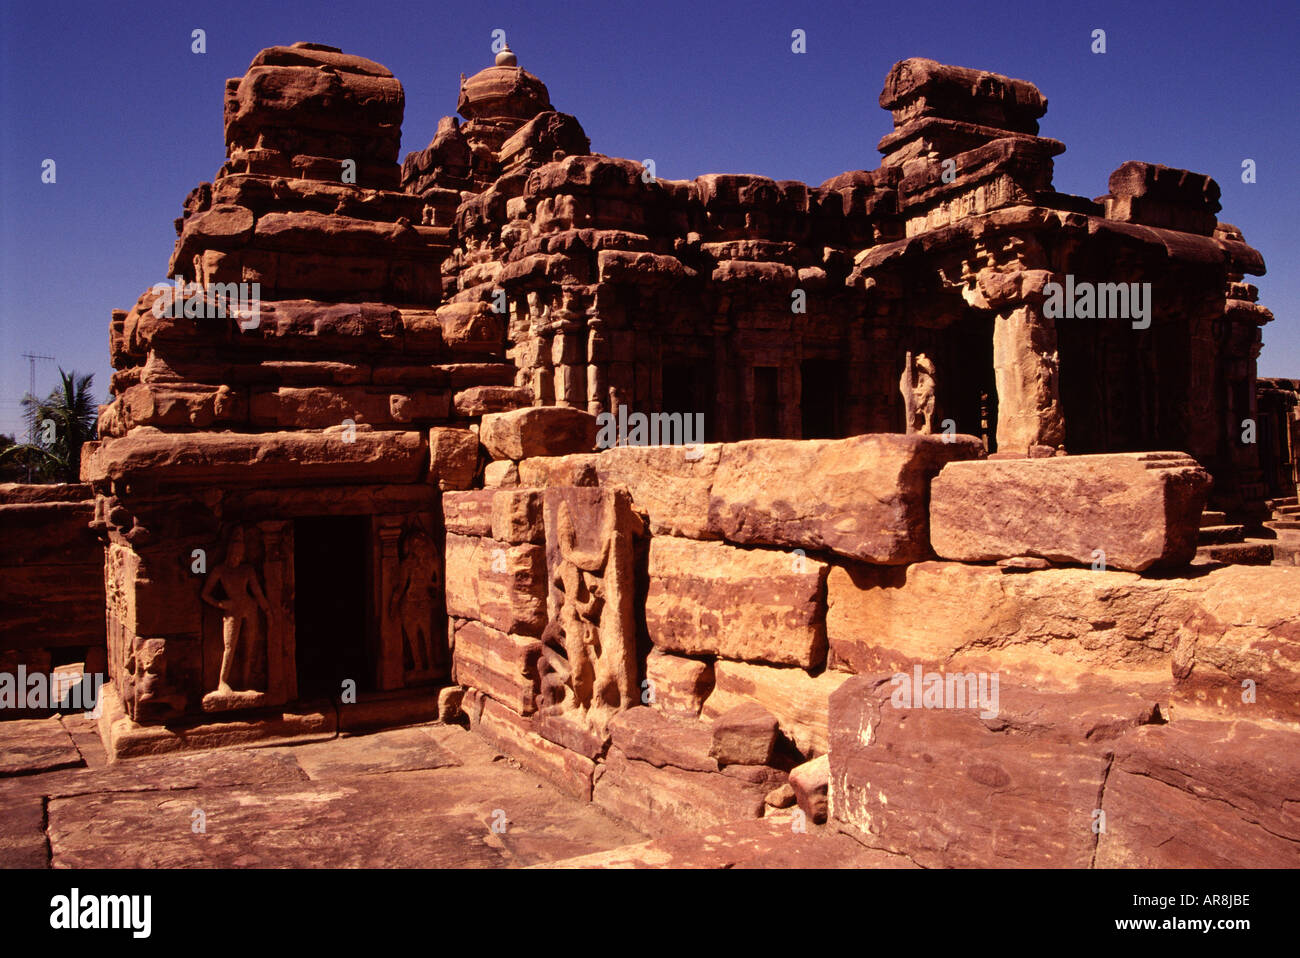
{"x": 498, "y": 664}
{"x": 453, "y": 457}
{"x": 538, "y": 431}
{"x": 312, "y": 86}
{"x": 670, "y": 484}
{"x": 1214, "y": 630}
{"x": 517, "y": 516}
{"x": 666, "y": 800}
{"x": 330, "y": 455}
{"x": 1140, "y": 509}
{"x": 1238, "y": 649}
{"x": 888, "y": 619}
{"x": 1159, "y": 195}
{"x": 478, "y": 400}
{"x": 449, "y": 701}
{"x": 865, "y": 497}
{"x": 1203, "y": 794}
{"x": 648, "y": 735}
{"x": 811, "y": 785}
{"x": 949, "y": 788}
{"x": 496, "y": 583}
{"x": 745, "y": 734}
{"x": 799, "y": 701}
{"x": 468, "y": 513}
{"x": 471, "y": 327}
{"x": 50, "y": 533}
{"x": 513, "y": 734}
{"x": 781, "y": 797}
{"x": 501, "y": 474}
{"x": 708, "y": 598}
{"x": 677, "y": 684}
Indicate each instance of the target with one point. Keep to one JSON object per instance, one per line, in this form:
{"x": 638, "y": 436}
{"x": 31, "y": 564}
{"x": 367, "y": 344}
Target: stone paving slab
{"x": 429, "y": 796}
{"x": 420, "y": 819}
{"x": 28, "y": 746}
{"x": 756, "y": 843}
{"x": 22, "y": 831}
{"x": 397, "y": 750}
{"x": 176, "y": 772}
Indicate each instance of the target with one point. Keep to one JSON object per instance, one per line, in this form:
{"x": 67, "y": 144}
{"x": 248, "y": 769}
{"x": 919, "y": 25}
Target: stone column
{"x": 390, "y": 667}
{"x": 281, "y": 659}
{"x": 598, "y": 353}
{"x": 1026, "y": 369}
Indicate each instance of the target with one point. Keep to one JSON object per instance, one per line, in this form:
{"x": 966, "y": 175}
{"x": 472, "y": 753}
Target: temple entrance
{"x": 331, "y": 583}
{"x": 965, "y": 386}
{"x": 687, "y": 388}
{"x": 822, "y": 388}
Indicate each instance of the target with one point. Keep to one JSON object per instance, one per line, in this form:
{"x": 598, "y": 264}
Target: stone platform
{"x": 425, "y": 796}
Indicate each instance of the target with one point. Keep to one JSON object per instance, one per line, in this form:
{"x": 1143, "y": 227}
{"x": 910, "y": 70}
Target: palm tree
{"x": 74, "y": 412}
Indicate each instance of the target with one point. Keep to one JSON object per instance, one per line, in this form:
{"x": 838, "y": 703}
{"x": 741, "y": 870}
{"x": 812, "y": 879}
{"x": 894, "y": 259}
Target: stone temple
{"x": 953, "y": 422}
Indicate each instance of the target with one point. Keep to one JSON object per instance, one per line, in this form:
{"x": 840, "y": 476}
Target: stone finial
{"x": 506, "y": 57}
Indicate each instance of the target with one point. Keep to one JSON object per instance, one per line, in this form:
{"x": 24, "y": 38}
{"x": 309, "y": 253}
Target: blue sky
{"x": 132, "y": 118}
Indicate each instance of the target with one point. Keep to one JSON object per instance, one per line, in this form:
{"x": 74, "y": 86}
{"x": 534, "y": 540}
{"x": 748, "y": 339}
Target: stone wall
{"x": 1131, "y": 679}
{"x": 1278, "y": 403}
{"x": 783, "y": 309}
{"x": 51, "y": 579}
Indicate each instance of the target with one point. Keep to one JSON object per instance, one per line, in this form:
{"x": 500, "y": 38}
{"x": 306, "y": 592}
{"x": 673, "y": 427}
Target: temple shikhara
{"x": 961, "y": 434}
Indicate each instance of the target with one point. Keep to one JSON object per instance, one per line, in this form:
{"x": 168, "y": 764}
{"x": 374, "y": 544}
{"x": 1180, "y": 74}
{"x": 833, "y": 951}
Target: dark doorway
{"x": 331, "y": 584}
{"x": 767, "y": 402}
{"x": 965, "y": 386}
{"x": 820, "y": 403}
{"x": 687, "y": 388}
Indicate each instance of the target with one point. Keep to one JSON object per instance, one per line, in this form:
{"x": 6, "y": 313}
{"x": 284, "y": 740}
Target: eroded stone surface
{"x": 863, "y": 498}
{"x": 763, "y": 843}
{"x": 950, "y": 787}
{"x": 1203, "y": 794}
{"x": 1128, "y": 511}
{"x": 354, "y": 813}
{"x": 798, "y": 699}
{"x": 707, "y": 598}
{"x": 35, "y": 745}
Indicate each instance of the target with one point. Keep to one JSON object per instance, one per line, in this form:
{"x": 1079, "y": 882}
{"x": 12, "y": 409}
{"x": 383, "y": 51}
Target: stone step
{"x": 1254, "y": 552}
{"x": 1286, "y": 549}
{"x": 1288, "y": 501}
{"x": 1283, "y": 524}
{"x": 1216, "y": 535}
{"x": 1211, "y": 518}
{"x": 1287, "y": 510}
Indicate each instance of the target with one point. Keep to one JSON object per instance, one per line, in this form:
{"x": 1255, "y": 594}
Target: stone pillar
{"x": 598, "y": 354}
{"x": 277, "y": 570}
{"x": 389, "y": 667}
{"x": 1026, "y": 369}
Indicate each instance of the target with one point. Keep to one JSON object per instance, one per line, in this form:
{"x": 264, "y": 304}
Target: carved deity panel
{"x": 244, "y": 603}
{"x": 917, "y": 387}
{"x": 588, "y": 666}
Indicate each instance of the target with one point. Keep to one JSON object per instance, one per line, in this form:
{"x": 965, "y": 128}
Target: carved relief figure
{"x": 591, "y": 617}
{"x": 152, "y": 696}
{"x": 414, "y": 601}
{"x": 240, "y": 625}
{"x": 917, "y": 387}
{"x": 579, "y": 612}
